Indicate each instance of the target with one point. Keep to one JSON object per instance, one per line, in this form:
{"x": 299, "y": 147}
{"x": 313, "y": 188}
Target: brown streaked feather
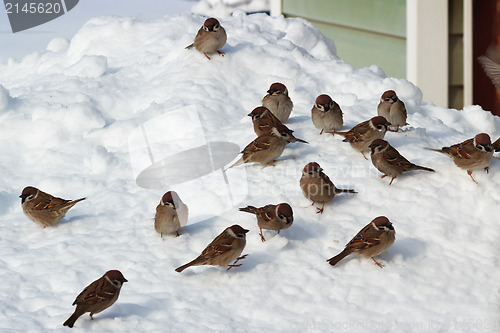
{"x": 98, "y": 291}
{"x": 356, "y": 133}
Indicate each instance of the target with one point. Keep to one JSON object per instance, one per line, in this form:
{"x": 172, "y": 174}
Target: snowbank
{"x": 68, "y": 128}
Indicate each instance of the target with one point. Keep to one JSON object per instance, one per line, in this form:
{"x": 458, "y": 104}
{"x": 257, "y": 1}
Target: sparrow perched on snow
{"x": 472, "y": 154}
{"x": 263, "y": 120}
{"x": 271, "y": 217}
{"x": 389, "y": 161}
{"x": 171, "y": 214}
{"x": 210, "y": 38}
{"x": 223, "y": 250}
{"x": 361, "y": 136}
{"x": 392, "y": 109}
{"x": 326, "y": 114}
{"x": 43, "y": 208}
{"x": 317, "y": 187}
{"x": 278, "y": 102}
{"x": 97, "y": 296}
{"x": 267, "y": 147}
{"x": 372, "y": 240}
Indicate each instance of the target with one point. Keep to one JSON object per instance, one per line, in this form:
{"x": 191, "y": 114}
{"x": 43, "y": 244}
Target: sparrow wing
{"x": 356, "y": 134}
{"x": 221, "y": 244}
{"x": 392, "y": 156}
{"x": 492, "y": 69}
{"x": 98, "y": 291}
{"x": 365, "y": 238}
{"x": 463, "y": 150}
{"x": 263, "y": 142}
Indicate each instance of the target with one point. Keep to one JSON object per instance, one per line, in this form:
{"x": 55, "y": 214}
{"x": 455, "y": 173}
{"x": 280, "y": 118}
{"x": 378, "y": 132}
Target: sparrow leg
{"x": 261, "y": 236}
{"x": 487, "y": 169}
{"x": 220, "y": 52}
{"x": 178, "y": 234}
{"x": 377, "y": 263}
{"x": 234, "y": 263}
{"x": 392, "y": 180}
{"x": 470, "y": 174}
{"x": 271, "y": 164}
{"x": 161, "y": 235}
{"x": 240, "y": 258}
{"x": 364, "y": 155}
{"x": 383, "y": 176}
{"x": 313, "y": 203}
{"x": 320, "y": 210}
{"x": 91, "y": 317}
{"x": 321, "y": 132}
{"x": 207, "y": 56}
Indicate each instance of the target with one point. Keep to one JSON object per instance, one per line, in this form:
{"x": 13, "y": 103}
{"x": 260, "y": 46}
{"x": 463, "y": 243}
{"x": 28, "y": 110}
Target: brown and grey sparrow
{"x": 210, "y": 38}
{"x": 98, "y": 296}
{"x": 373, "y": 239}
{"x": 223, "y": 250}
{"x": 392, "y": 109}
{"x": 278, "y": 102}
{"x": 171, "y": 214}
{"x": 263, "y": 120}
{"x": 326, "y": 114}
{"x": 267, "y": 147}
{"x": 43, "y": 208}
{"x": 389, "y": 161}
{"x": 472, "y": 154}
{"x": 317, "y": 187}
{"x": 361, "y": 136}
{"x": 271, "y": 217}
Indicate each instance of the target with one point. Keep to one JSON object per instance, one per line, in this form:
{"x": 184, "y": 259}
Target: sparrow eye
{"x": 281, "y": 216}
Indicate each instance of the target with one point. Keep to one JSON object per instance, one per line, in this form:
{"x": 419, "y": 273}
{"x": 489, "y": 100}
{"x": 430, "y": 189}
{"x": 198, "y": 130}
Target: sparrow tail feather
{"x": 249, "y": 209}
{"x": 334, "y": 260}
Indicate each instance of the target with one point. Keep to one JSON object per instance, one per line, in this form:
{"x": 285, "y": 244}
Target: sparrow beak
{"x": 270, "y": 91}
{"x": 294, "y": 139}
{"x": 245, "y": 231}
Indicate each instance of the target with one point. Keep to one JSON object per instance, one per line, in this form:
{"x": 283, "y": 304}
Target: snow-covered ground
{"x": 86, "y": 116}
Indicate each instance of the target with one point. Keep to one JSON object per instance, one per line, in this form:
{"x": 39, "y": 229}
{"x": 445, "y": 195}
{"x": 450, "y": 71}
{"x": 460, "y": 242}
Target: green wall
{"x": 365, "y": 32}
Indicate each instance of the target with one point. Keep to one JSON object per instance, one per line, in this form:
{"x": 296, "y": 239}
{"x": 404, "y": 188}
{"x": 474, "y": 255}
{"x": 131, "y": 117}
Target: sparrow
{"x": 472, "y": 154}
{"x": 43, "y": 208}
{"x": 263, "y": 120}
{"x": 271, "y": 217}
{"x": 496, "y": 145}
{"x": 362, "y": 135}
{"x": 317, "y": 187}
{"x": 171, "y": 214}
{"x": 267, "y": 147}
{"x": 223, "y": 250}
{"x": 210, "y": 38}
{"x": 373, "y": 239}
{"x": 326, "y": 114}
{"x": 389, "y": 161}
{"x": 97, "y": 296}
{"x": 278, "y": 102}
{"x": 392, "y": 109}
{"x": 491, "y": 64}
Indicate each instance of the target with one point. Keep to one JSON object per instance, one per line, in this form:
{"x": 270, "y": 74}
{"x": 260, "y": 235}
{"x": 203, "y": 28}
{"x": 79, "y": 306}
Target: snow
{"x": 89, "y": 116}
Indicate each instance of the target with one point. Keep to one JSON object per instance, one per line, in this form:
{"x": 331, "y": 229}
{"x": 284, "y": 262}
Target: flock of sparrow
{"x": 272, "y": 137}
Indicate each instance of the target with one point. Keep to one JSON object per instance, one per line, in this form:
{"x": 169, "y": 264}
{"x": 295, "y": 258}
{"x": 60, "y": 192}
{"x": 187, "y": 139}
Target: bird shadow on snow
{"x": 73, "y": 218}
{"x": 407, "y": 247}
